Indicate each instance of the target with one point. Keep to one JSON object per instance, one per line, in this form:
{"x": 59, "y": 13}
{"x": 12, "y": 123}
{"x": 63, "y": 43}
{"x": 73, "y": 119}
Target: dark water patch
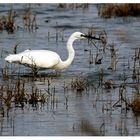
{"x": 63, "y": 17}
{"x": 66, "y": 26}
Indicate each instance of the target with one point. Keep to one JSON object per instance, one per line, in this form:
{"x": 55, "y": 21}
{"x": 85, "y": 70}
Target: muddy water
{"x": 93, "y": 111}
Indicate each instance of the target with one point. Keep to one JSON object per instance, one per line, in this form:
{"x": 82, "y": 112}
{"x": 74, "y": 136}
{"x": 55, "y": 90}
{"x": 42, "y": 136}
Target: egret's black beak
{"x": 90, "y": 37}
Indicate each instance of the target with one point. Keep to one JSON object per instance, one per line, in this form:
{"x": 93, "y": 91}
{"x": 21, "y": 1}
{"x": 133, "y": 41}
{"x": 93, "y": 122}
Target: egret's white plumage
{"x": 45, "y": 58}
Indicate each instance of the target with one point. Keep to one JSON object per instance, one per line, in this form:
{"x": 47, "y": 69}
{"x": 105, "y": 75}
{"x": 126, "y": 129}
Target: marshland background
{"x": 97, "y": 95}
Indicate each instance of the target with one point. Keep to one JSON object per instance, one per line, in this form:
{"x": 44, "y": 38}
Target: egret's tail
{"x": 12, "y": 58}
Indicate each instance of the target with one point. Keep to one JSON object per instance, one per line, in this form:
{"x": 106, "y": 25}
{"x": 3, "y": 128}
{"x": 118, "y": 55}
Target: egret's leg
{"x": 57, "y": 73}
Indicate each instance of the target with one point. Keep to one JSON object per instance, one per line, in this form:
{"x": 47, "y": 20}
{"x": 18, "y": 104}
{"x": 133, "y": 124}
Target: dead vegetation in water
{"x": 79, "y": 84}
{"x": 136, "y": 56}
{"x": 8, "y": 22}
{"x": 114, "y": 57}
{"x": 15, "y": 48}
{"x": 118, "y": 10}
{"x": 109, "y": 84}
{"x": 19, "y": 95}
{"x": 73, "y": 5}
{"x": 5, "y": 73}
{"x": 98, "y": 59}
{"x": 100, "y": 44}
{"x": 29, "y": 19}
{"x": 101, "y": 34}
{"x": 123, "y": 101}
{"x": 17, "y": 92}
{"x": 136, "y": 64}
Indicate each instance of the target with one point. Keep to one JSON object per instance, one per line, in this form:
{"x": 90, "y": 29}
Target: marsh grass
{"x": 118, "y": 10}
{"x": 79, "y": 84}
{"x": 114, "y": 57}
{"x": 91, "y": 57}
{"x": 109, "y": 84}
{"x": 98, "y": 59}
{"x": 123, "y": 102}
{"x": 100, "y": 45}
{"x": 8, "y": 22}
{"x": 35, "y": 97}
{"x": 17, "y": 94}
{"x": 92, "y": 31}
{"x": 15, "y": 48}
{"x": 136, "y": 65}
{"x": 83, "y": 6}
{"x": 5, "y": 73}
{"x": 29, "y": 19}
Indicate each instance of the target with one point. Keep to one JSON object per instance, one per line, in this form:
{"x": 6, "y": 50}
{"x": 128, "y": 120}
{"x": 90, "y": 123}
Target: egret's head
{"x": 79, "y": 35}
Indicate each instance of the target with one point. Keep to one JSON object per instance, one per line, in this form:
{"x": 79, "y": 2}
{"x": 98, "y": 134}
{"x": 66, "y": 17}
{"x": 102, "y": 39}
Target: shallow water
{"x": 68, "y": 112}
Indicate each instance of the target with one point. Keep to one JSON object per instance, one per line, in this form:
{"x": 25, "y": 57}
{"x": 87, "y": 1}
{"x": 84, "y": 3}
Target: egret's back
{"x": 39, "y": 58}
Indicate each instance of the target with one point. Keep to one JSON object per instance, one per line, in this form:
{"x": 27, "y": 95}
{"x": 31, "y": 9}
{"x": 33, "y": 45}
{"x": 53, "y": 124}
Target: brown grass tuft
{"x": 79, "y": 83}
{"x": 118, "y": 10}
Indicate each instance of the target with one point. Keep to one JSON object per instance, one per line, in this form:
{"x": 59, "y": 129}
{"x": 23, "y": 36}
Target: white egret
{"x": 45, "y": 58}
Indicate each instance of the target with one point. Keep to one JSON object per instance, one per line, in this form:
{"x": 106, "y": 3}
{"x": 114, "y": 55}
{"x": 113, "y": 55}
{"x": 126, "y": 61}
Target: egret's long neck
{"x": 71, "y": 53}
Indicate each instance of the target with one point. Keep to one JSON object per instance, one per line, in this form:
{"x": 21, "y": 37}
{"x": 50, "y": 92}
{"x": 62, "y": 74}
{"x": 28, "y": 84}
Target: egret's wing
{"x": 39, "y": 58}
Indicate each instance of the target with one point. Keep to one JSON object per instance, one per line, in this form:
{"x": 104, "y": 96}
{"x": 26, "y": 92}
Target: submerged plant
{"x": 8, "y": 22}
{"x": 98, "y": 59}
{"x": 5, "y": 73}
{"x": 29, "y": 19}
{"x": 15, "y": 48}
{"x": 79, "y": 83}
{"x": 123, "y": 101}
{"x": 109, "y": 84}
{"x": 114, "y": 56}
{"x": 136, "y": 56}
